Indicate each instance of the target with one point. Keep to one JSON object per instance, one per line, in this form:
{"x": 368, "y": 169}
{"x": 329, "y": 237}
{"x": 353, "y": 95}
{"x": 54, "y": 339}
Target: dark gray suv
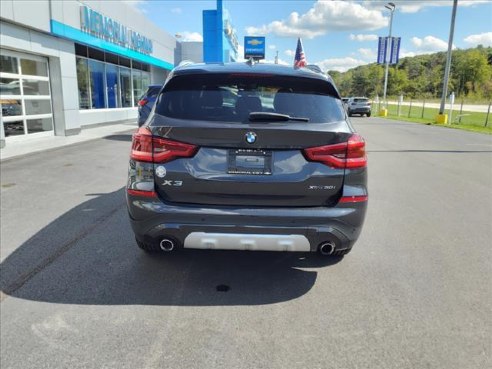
{"x": 247, "y": 157}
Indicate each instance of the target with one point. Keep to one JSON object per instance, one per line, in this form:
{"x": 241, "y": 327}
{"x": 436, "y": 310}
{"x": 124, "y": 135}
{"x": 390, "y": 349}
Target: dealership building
{"x": 66, "y": 65}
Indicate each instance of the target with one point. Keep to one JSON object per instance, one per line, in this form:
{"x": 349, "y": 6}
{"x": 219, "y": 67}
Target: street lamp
{"x": 391, "y": 7}
{"x": 441, "y": 117}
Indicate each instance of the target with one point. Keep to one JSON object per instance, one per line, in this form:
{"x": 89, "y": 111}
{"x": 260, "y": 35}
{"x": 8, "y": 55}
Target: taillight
{"x": 350, "y": 154}
{"x": 356, "y": 152}
{"x": 151, "y": 149}
{"x": 352, "y": 199}
{"x": 142, "y": 102}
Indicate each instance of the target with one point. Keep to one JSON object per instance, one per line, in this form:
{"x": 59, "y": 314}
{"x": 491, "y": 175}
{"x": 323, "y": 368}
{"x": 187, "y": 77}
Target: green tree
{"x": 473, "y": 68}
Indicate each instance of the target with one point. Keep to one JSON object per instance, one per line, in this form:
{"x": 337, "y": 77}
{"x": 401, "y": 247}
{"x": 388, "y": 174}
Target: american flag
{"x": 300, "y": 59}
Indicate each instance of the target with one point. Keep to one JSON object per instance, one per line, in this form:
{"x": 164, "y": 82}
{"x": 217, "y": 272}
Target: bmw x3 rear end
{"x": 244, "y": 156}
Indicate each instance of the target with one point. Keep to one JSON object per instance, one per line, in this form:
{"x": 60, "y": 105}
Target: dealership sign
{"x": 110, "y": 30}
{"x": 254, "y": 47}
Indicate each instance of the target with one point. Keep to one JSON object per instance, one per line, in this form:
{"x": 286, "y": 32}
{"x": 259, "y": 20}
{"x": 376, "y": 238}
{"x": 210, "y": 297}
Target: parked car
{"x": 146, "y": 102}
{"x": 218, "y": 165}
{"x": 359, "y": 105}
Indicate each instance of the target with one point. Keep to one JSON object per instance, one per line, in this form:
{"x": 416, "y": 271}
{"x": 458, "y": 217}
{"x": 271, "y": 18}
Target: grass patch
{"x": 469, "y": 121}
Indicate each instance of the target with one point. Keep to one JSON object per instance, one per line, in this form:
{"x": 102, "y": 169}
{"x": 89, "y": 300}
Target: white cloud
{"x": 340, "y": 64}
{"x": 429, "y": 44}
{"x": 272, "y": 47}
{"x": 414, "y": 6}
{"x": 189, "y": 36}
{"x": 369, "y": 54}
{"x": 484, "y": 39}
{"x": 405, "y": 53}
{"x": 176, "y": 10}
{"x": 323, "y": 17}
{"x": 289, "y": 52}
{"x": 363, "y": 37}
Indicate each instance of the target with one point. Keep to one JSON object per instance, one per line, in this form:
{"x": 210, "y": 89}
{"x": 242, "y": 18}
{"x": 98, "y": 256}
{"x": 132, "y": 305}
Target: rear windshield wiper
{"x": 274, "y": 117}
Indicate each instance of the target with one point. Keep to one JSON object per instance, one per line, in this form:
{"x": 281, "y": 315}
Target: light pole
{"x": 441, "y": 117}
{"x": 387, "y": 55}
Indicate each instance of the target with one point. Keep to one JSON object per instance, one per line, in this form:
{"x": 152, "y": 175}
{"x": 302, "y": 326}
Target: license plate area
{"x": 250, "y": 161}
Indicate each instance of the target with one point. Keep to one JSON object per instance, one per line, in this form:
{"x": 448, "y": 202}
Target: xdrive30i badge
{"x": 250, "y": 137}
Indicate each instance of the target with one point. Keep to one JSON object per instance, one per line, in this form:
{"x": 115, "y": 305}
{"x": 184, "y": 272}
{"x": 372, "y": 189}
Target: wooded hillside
{"x": 422, "y": 76}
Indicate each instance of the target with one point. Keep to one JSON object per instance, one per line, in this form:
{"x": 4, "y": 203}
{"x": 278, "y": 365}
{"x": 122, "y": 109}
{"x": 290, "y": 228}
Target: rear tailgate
{"x": 236, "y": 160}
{"x": 227, "y": 170}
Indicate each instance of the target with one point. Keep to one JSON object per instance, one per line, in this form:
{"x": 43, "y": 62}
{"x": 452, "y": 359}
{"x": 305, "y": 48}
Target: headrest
{"x": 248, "y": 104}
{"x": 283, "y": 100}
{"x": 211, "y": 99}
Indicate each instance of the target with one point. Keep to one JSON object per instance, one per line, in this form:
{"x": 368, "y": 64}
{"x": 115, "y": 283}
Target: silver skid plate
{"x": 253, "y": 242}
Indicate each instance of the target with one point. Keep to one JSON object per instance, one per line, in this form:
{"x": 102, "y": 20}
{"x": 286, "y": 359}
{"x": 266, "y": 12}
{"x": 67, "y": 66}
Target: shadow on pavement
{"x": 89, "y": 256}
{"x": 120, "y": 137}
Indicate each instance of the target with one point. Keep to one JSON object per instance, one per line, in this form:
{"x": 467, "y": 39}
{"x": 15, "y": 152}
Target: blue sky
{"x": 337, "y": 35}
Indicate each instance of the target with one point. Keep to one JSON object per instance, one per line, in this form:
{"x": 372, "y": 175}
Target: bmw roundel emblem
{"x": 251, "y": 137}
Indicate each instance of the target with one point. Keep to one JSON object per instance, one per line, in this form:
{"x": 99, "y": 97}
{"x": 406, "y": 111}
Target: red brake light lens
{"x": 151, "y": 149}
{"x": 167, "y": 150}
{"x": 352, "y": 199}
{"x": 356, "y": 152}
{"x": 350, "y": 154}
{"x": 331, "y": 155}
{"x": 142, "y": 102}
{"x": 142, "y": 145}
{"x": 141, "y": 193}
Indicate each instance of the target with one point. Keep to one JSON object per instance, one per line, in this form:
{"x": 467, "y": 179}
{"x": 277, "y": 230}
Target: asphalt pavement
{"x": 416, "y": 291}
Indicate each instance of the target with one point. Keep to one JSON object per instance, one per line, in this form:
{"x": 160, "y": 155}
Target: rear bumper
{"x": 153, "y": 220}
{"x": 359, "y": 110}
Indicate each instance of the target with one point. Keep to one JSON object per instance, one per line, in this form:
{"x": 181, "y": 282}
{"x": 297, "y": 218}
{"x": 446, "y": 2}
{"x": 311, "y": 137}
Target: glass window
{"x": 232, "y": 98}
{"x": 34, "y": 87}
{"x": 112, "y": 85}
{"x": 80, "y": 50}
{"x": 96, "y": 70}
{"x": 9, "y": 86}
{"x": 145, "y": 80}
{"x": 83, "y": 83}
{"x": 34, "y": 107}
{"x": 11, "y": 107}
{"x": 14, "y": 128}
{"x": 39, "y": 125}
{"x": 137, "y": 85}
{"x": 124, "y": 62}
{"x": 126, "y": 88}
{"x": 8, "y": 64}
{"x": 34, "y": 68}
{"x": 96, "y": 54}
{"x": 111, "y": 58}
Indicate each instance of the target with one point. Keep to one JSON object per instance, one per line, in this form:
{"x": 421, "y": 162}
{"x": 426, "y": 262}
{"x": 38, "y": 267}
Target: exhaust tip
{"x": 327, "y": 248}
{"x": 166, "y": 245}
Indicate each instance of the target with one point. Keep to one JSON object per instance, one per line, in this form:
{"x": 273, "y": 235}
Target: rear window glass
{"x": 231, "y": 97}
{"x": 361, "y": 100}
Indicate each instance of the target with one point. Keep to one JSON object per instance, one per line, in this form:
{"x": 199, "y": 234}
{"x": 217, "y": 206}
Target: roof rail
{"x": 184, "y": 63}
{"x": 314, "y": 68}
